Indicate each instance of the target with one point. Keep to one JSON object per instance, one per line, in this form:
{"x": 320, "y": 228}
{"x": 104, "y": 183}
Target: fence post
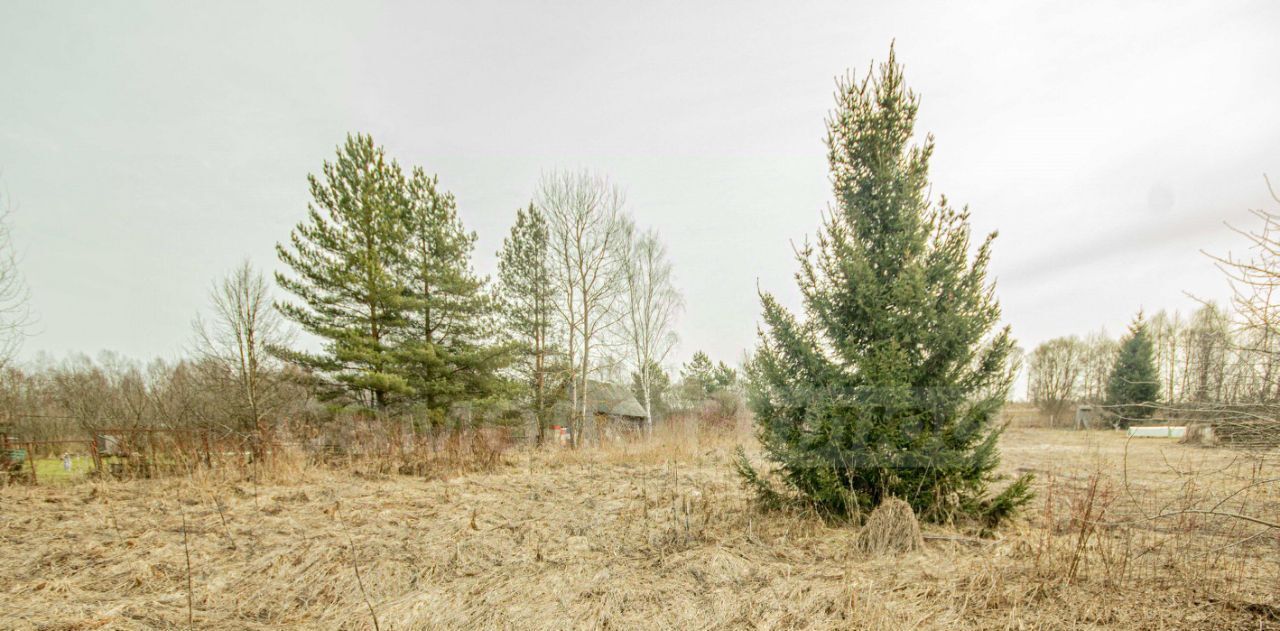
{"x": 97, "y": 457}
{"x": 31, "y": 459}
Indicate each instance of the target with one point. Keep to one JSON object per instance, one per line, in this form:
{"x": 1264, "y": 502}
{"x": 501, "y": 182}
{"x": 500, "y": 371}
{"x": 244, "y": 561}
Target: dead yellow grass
{"x": 658, "y": 535}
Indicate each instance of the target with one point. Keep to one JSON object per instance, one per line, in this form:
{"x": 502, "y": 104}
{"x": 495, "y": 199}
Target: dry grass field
{"x": 656, "y": 535}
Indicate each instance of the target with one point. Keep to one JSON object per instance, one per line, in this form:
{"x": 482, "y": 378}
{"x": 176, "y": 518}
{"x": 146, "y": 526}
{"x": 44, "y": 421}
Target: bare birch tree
{"x": 652, "y": 304}
{"x": 236, "y": 344}
{"x": 586, "y": 221}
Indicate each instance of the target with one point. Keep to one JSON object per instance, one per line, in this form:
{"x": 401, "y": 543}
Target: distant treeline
{"x": 1217, "y": 356}
{"x": 378, "y": 278}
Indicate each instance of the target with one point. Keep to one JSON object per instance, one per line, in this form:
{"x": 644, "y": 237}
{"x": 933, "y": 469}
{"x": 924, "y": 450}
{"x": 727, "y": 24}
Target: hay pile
{"x": 891, "y": 528}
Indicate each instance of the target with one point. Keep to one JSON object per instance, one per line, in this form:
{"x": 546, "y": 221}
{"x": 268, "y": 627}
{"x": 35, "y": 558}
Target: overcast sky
{"x": 146, "y": 148}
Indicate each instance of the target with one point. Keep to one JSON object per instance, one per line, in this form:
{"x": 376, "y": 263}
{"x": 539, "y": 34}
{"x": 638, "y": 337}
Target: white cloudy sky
{"x": 147, "y": 147}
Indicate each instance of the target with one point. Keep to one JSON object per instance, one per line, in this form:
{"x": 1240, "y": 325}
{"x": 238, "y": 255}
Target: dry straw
{"x": 891, "y": 528}
{"x": 645, "y": 535}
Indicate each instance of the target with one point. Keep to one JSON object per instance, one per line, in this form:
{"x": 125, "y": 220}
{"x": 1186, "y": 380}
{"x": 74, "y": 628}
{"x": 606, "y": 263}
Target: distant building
{"x": 615, "y": 411}
{"x": 1086, "y": 417}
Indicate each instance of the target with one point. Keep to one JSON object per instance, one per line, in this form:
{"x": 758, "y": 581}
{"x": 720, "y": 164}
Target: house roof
{"x": 613, "y": 399}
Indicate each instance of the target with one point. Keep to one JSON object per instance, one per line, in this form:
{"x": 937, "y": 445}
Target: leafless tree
{"x": 1098, "y": 358}
{"x": 1053, "y": 375}
{"x": 587, "y": 222}
{"x": 1208, "y": 344}
{"x": 1255, "y": 285}
{"x": 235, "y": 344}
{"x": 15, "y": 313}
{"x": 1167, "y": 330}
{"x": 652, "y": 304}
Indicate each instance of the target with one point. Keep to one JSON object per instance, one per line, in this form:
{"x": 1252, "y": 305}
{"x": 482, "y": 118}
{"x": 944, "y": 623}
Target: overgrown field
{"x": 657, "y": 535}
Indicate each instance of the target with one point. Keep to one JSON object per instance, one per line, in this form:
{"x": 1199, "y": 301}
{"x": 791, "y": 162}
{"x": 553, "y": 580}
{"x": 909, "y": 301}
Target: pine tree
{"x": 892, "y": 383}
{"x": 527, "y": 296}
{"x": 1134, "y": 383}
{"x": 344, "y": 259}
{"x": 724, "y": 377}
{"x": 698, "y": 377}
{"x": 446, "y": 351}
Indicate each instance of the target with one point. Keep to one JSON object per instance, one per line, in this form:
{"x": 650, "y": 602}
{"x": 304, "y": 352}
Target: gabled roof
{"x": 613, "y": 399}
{"x": 603, "y": 398}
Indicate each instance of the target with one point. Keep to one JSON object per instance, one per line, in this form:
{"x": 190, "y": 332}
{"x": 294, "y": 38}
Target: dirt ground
{"x": 658, "y": 535}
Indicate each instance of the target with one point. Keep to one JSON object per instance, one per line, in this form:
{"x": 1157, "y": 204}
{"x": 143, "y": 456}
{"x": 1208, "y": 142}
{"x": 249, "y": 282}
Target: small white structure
{"x": 1158, "y": 431}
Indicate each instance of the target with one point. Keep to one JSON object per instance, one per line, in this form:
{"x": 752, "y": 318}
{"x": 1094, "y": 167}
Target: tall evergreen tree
{"x": 1134, "y": 383}
{"x": 528, "y": 296}
{"x": 892, "y": 383}
{"x": 344, "y": 259}
{"x": 447, "y": 351}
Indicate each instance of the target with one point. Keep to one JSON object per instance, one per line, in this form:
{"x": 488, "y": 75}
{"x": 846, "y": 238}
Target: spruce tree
{"x": 527, "y": 297}
{"x": 892, "y": 384}
{"x": 446, "y": 349}
{"x": 344, "y": 258}
{"x": 1134, "y": 383}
